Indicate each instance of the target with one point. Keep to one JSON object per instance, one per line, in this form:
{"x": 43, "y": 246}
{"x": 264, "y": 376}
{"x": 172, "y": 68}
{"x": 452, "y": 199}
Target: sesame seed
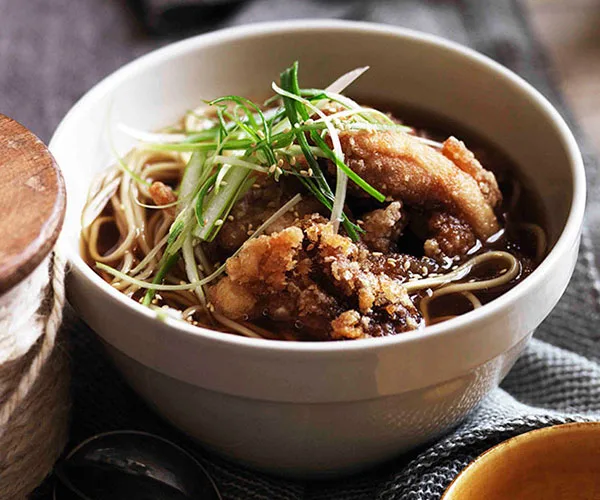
{"x": 377, "y": 254}
{"x": 310, "y": 171}
{"x": 230, "y": 217}
{"x": 304, "y": 172}
{"x": 429, "y": 292}
{"x": 272, "y": 168}
{"x": 406, "y": 265}
{"x": 280, "y": 162}
{"x": 278, "y": 170}
{"x": 219, "y": 222}
{"x": 250, "y": 226}
{"x": 296, "y": 125}
{"x": 293, "y": 160}
{"x": 425, "y": 271}
{"x": 250, "y": 232}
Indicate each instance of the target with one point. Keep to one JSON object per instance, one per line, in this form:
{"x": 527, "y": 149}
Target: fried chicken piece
{"x": 234, "y": 298}
{"x": 463, "y": 158}
{"x": 163, "y": 195}
{"x": 450, "y": 236}
{"x": 260, "y": 202}
{"x": 383, "y": 227}
{"x": 309, "y": 274}
{"x": 377, "y": 293}
{"x": 403, "y": 168}
{"x": 265, "y": 261}
{"x": 274, "y": 272}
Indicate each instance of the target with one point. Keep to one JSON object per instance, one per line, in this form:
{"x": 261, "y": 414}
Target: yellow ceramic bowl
{"x": 554, "y": 463}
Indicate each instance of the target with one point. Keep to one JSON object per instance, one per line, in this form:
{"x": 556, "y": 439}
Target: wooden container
{"x": 33, "y": 369}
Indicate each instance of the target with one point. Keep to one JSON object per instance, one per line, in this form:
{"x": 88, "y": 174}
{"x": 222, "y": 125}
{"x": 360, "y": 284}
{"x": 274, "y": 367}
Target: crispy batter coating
{"x": 307, "y": 275}
{"x": 463, "y": 158}
{"x": 450, "y": 236}
{"x": 383, "y": 227}
{"x": 265, "y": 261}
{"x": 405, "y": 169}
{"x": 234, "y": 298}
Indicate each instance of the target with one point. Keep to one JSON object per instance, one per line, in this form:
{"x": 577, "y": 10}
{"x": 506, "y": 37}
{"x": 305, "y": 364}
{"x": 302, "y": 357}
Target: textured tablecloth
{"x": 51, "y": 52}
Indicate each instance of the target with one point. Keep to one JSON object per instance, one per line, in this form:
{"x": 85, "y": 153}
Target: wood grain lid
{"x": 32, "y": 202}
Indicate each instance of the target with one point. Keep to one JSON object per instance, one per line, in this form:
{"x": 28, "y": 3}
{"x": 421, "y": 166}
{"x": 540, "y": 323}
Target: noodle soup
{"x": 312, "y": 217}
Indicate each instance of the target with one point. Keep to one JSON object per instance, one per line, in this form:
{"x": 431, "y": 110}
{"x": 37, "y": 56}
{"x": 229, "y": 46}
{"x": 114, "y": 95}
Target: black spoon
{"x": 134, "y": 466}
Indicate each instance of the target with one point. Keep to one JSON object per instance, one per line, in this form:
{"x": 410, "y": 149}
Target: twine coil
{"x": 33, "y": 379}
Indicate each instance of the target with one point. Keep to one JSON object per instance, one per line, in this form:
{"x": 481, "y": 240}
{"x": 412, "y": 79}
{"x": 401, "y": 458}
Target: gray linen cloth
{"x": 52, "y": 52}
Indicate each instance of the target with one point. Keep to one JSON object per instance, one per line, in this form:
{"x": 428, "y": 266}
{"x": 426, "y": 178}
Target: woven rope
{"x": 33, "y": 380}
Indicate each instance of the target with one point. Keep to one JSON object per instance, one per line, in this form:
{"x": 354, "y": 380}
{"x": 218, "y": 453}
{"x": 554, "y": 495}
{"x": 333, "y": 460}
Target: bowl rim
{"x": 539, "y": 434}
{"x": 569, "y": 236}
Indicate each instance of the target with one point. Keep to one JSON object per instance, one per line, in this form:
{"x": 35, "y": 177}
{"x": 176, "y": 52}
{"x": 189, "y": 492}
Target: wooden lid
{"x": 32, "y": 202}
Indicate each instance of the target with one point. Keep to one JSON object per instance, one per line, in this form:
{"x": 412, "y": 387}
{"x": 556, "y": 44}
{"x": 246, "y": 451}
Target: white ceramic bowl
{"x": 323, "y": 408}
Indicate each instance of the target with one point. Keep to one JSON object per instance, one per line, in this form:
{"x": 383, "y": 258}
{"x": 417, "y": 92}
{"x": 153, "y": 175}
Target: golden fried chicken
{"x": 309, "y": 276}
{"x": 449, "y": 236}
{"x": 383, "y": 227}
{"x": 261, "y": 201}
{"x": 463, "y": 158}
{"x": 403, "y": 168}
